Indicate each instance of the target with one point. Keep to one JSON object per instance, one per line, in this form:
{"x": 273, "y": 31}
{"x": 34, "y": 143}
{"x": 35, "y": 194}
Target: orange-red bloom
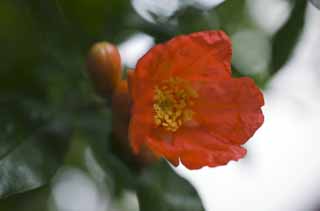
{"x": 186, "y": 106}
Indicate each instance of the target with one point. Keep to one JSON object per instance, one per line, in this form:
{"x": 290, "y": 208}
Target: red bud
{"x": 104, "y": 67}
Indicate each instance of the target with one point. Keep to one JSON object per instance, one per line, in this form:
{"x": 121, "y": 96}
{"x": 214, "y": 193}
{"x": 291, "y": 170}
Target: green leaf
{"x": 161, "y": 189}
{"x": 233, "y": 17}
{"x": 157, "y": 186}
{"x": 191, "y": 20}
{"x": 122, "y": 174}
{"x": 35, "y": 200}
{"x": 95, "y": 128}
{"x": 32, "y": 162}
{"x": 286, "y": 38}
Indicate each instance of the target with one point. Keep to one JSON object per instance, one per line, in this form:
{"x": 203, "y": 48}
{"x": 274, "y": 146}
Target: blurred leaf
{"x": 33, "y": 161}
{"x": 233, "y": 16}
{"x": 122, "y": 175}
{"x": 35, "y": 200}
{"x": 94, "y": 17}
{"x": 191, "y": 20}
{"x": 316, "y": 3}
{"x": 285, "y": 39}
{"x": 158, "y": 187}
{"x": 95, "y": 127}
{"x": 161, "y": 189}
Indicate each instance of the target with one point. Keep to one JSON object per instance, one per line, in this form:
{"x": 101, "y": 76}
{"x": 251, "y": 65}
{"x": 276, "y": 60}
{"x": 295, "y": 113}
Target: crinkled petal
{"x": 164, "y": 149}
{"x": 139, "y": 128}
{"x": 155, "y": 65}
{"x": 202, "y": 55}
{"x": 230, "y": 109}
{"x": 160, "y": 142}
{"x": 141, "y": 93}
{"x": 201, "y": 148}
{"x": 196, "y": 148}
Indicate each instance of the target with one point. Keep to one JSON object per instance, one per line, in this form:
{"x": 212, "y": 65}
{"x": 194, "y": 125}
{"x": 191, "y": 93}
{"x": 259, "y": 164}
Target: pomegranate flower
{"x": 186, "y": 106}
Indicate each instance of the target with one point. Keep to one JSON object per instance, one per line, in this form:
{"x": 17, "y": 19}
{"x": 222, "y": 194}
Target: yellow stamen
{"x": 173, "y": 100}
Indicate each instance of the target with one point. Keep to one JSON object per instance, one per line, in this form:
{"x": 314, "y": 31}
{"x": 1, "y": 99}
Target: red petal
{"x": 201, "y": 55}
{"x": 160, "y": 142}
{"x": 139, "y": 128}
{"x": 155, "y": 65}
{"x": 164, "y": 149}
{"x": 141, "y": 92}
{"x": 195, "y": 147}
{"x": 230, "y": 109}
{"x": 200, "y": 148}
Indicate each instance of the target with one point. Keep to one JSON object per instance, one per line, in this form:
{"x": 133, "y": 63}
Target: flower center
{"x": 173, "y": 100}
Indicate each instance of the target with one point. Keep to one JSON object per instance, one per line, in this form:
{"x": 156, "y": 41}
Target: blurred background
{"x": 55, "y": 151}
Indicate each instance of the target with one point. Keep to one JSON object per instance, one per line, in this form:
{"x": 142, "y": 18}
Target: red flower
{"x": 186, "y": 106}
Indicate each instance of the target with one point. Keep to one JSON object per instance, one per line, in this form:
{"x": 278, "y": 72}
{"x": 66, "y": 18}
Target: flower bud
{"x": 104, "y": 68}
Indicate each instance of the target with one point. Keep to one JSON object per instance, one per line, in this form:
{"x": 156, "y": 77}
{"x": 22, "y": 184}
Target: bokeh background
{"x": 55, "y": 151}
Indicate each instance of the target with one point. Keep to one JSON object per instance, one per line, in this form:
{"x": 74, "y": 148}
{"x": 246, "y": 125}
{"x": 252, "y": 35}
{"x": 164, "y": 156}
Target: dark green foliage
{"x": 158, "y": 187}
{"x": 116, "y": 166}
{"x": 284, "y": 41}
{"x": 33, "y": 200}
{"x": 170, "y": 192}
{"x": 31, "y": 162}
